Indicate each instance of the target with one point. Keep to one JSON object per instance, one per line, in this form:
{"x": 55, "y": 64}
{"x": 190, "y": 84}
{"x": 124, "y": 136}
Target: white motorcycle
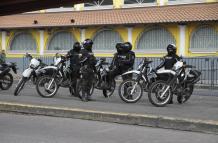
{"x": 29, "y": 74}
{"x": 58, "y": 75}
{"x": 131, "y": 90}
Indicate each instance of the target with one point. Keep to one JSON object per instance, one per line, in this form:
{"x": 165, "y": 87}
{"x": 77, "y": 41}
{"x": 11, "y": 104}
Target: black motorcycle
{"x": 180, "y": 81}
{"x": 101, "y": 79}
{"x": 6, "y": 78}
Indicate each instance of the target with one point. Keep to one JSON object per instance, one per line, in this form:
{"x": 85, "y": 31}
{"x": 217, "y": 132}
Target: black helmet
{"x": 127, "y": 46}
{"x": 76, "y": 46}
{"x": 171, "y": 49}
{"x": 119, "y": 47}
{"x": 87, "y": 44}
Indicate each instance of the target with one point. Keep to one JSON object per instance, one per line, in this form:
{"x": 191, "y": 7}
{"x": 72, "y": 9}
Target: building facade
{"x": 149, "y": 25}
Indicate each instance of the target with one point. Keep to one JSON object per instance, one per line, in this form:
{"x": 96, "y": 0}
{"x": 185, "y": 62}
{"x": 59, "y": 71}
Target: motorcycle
{"x": 131, "y": 90}
{"x": 180, "y": 82}
{"x": 31, "y": 73}
{"x": 58, "y": 75}
{"x": 6, "y": 78}
{"x": 102, "y": 78}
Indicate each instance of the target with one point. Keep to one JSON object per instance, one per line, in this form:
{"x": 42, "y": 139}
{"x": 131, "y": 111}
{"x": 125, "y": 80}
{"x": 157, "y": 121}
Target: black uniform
{"x": 74, "y": 56}
{"x": 87, "y": 71}
{"x": 123, "y": 60}
{"x": 169, "y": 61}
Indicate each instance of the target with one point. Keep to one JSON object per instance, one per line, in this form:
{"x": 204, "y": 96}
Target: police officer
{"x": 74, "y": 55}
{"x": 169, "y": 60}
{"x": 2, "y": 57}
{"x": 123, "y": 60}
{"x": 88, "y": 61}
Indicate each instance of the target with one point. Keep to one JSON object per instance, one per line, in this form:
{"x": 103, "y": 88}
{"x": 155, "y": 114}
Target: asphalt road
{"x": 198, "y": 107}
{"x": 40, "y": 129}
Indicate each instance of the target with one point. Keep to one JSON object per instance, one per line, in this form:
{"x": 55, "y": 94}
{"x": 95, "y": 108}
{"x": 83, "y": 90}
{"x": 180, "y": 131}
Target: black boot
{"x": 84, "y": 97}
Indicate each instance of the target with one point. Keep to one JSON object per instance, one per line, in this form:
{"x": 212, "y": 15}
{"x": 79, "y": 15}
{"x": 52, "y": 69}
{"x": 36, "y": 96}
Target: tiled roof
{"x": 127, "y": 16}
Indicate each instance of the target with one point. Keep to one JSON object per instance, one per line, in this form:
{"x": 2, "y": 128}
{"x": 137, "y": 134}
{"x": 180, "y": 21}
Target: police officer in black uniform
{"x": 88, "y": 61}
{"x": 169, "y": 60}
{"x": 123, "y": 60}
{"x": 74, "y": 55}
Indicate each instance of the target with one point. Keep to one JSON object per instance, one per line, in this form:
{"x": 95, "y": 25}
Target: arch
{"x": 99, "y": 3}
{"x": 61, "y": 40}
{"x": 155, "y": 38}
{"x": 23, "y": 41}
{"x": 138, "y": 1}
{"x": 204, "y": 38}
{"x": 106, "y": 39}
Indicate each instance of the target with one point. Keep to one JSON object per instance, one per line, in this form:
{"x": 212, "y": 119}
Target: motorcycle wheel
{"x": 42, "y": 86}
{"x": 6, "y": 81}
{"x": 184, "y": 98}
{"x": 155, "y": 91}
{"x": 130, "y": 91}
{"x": 19, "y": 86}
{"x": 108, "y": 92}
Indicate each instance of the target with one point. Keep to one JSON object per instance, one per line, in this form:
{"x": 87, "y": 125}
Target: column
{"x": 41, "y": 42}
{"x": 129, "y": 34}
{"x": 182, "y": 29}
{"x": 4, "y": 33}
{"x": 161, "y": 2}
{"x": 82, "y": 34}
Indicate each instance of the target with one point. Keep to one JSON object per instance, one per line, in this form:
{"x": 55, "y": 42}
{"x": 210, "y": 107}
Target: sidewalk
{"x": 199, "y": 114}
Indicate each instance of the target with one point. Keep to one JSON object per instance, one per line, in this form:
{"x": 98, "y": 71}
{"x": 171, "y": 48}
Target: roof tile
{"x": 157, "y": 14}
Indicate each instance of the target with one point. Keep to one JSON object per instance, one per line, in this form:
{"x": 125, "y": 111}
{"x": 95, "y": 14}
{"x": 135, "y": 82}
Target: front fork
{"x": 50, "y": 83}
{"x": 168, "y": 86}
{"x": 137, "y": 82}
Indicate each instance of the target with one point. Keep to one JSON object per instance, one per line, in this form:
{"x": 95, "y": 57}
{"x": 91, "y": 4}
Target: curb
{"x": 205, "y": 126}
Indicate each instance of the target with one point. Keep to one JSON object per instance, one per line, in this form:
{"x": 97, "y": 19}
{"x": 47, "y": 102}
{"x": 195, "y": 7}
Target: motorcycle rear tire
{"x": 107, "y": 93}
{"x": 180, "y": 99}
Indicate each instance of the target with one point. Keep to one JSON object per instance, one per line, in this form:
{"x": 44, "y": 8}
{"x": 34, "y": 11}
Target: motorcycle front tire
{"x": 49, "y": 95}
{"x": 20, "y": 86}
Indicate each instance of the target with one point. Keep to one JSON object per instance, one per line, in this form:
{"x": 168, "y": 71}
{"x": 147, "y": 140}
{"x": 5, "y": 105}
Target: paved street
{"x": 198, "y": 107}
{"x": 41, "y": 129}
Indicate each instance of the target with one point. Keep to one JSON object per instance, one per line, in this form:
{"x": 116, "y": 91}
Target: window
{"x": 61, "y": 41}
{"x": 138, "y": 1}
{"x": 204, "y": 38}
{"x": 99, "y": 3}
{"x": 155, "y": 39}
{"x": 23, "y": 42}
{"x": 185, "y": 1}
{"x": 106, "y": 40}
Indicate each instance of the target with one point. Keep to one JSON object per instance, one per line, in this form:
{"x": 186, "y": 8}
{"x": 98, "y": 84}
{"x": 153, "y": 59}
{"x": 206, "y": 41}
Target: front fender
{"x": 131, "y": 72}
{"x": 46, "y": 70}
